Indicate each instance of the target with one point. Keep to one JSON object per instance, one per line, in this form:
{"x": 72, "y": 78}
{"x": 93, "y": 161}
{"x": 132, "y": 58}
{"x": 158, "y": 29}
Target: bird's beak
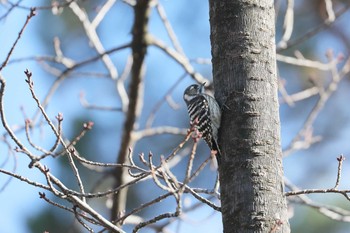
{"x": 201, "y": 86}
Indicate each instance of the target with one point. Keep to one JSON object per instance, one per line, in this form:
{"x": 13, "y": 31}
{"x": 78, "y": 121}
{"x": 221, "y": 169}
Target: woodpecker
{"x": 205, "y": 114}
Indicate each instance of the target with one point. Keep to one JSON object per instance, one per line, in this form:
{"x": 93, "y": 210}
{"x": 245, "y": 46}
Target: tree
{"x": 244, "y": 70}
{"x": 122, "y": 157}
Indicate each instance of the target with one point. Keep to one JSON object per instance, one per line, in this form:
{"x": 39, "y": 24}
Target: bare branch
{"x": 90, "y": 29}
{"x": 87, "y": 105}
{"x": 330, "y": 11}
{"x": 4, "y": 121}
{"x": 142, "y": 11}
{"x": 340, "y": 163}
{"x": 288, "y": 24}
{"x": 102, "y": 12}
{"x": 332, "y": 212}
{"x": 314, "y": 30}
{"x": 306, "y": 130}
{"x": 24, "y": 179}
{"x": 31, "y": 15}
{"x": 64, "y": 74}
{"x": 157, "y": 106}
{"x": 304, "y": 62}
{"x": 179, "y": 58}
{"x": 168, "y": 27}
{"x": 137, "y": 135}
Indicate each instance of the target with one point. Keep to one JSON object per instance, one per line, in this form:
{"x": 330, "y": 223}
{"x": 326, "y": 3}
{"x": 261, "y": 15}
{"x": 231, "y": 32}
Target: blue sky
{"x": 313, "y": 168}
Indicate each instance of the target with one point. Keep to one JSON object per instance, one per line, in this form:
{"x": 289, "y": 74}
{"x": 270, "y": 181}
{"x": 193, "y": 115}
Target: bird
{"x": 205, "y": 115}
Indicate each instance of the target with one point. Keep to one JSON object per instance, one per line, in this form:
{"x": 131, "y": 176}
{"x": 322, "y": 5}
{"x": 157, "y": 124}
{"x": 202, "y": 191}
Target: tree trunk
{"x": 244, "y": 70}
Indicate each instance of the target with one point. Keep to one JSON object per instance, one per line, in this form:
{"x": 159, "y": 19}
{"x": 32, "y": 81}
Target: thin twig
{"x": 168, "y": 27}
{"x": 326, "y": 23}
{"x": 311, "y": 191}
{"x": 288, "y": 24}
{"x": 4, "y": 121}
{"x": 102, "y": 13}
{"x": 188, "y": 176}
{"x": 155, "y": 219}
{"x": 64, "y": 74}
{"x": 306, "y": 130}
{"x": 13, "y": 6}
{"x": 178, "y": 57}
{"x": 332, "y": 212}
{"x": 87, "y": 105}
{"x": 145, "y": 205}
{"x": 157, "y": 106}
{"x": 149, "y": 132}
{"x": 91, "y": 33}
{"x": 120, "y": 84}
{"x": 24, "y": 179}
{"x": 78, "y": 217}
{"x": 31, "y": 15}
{"x": 57, "y": 134}
{"x": 303, "y": 62}
{"x": 340, "y": 159}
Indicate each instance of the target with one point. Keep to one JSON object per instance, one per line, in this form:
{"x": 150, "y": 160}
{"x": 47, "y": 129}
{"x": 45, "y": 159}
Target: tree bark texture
{"x": 244, "y": 71}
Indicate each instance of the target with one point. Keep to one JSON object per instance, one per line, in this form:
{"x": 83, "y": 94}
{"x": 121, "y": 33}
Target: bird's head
{"x": 193, "y": 91}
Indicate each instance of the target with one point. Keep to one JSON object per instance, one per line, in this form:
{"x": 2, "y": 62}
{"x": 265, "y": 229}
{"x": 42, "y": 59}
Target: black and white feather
{"x": 205, "y": 113}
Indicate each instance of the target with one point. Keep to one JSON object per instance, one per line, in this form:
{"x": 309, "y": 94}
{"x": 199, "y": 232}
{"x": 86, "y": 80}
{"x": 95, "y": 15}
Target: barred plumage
{"x": 205, "y": 112}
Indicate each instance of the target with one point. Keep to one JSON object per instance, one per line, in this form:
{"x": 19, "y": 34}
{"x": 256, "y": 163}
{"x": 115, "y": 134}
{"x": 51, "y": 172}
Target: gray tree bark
{"x": 244, "y": 70}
